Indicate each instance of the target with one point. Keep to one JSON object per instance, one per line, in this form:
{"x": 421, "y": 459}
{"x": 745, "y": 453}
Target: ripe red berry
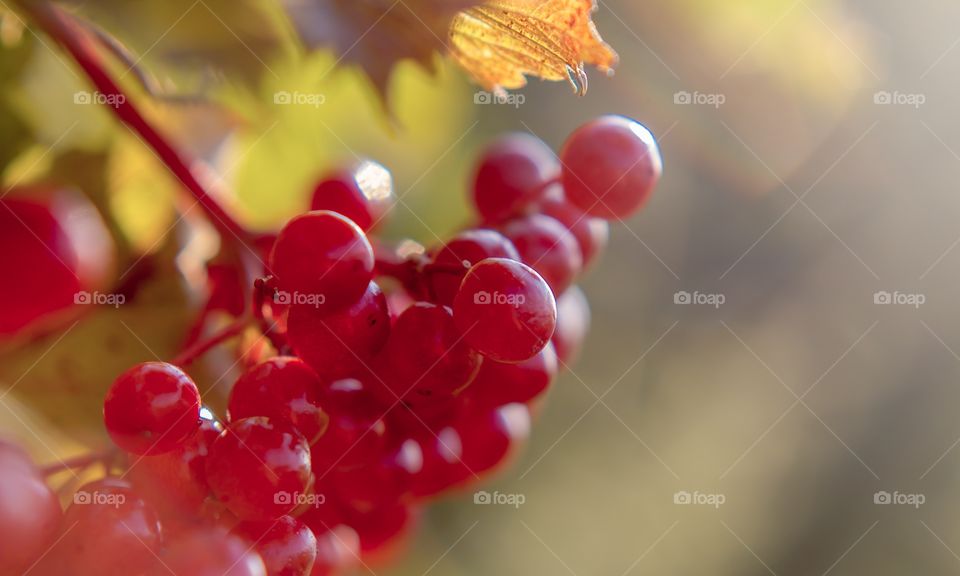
{"x": 590, "y": 232}
{"x": 426, "y": 356}
{"x": 548, "y": 247}
{"x": 505, "y": 310}
{"x": 489, "y": 440}
{"x": 381, "y": 484}
{"x": 382, "y": 531}
{"x": 337, "y": 549}
{"x": 610, "y": 166}
{"x": 283, "y": 389}
{"x": 108, "y": 529}
{"x": 357, "y": 431}
{"x": 29, "y": 512}
{"x": 441, "y": 462}
{"x": 322, "y": 258}
{"x": 513, "y": 173}
{"x": 343, "y": 344}
{"x": 286, "y": 545}
{"x": 259, "y": 468}
{"x": 573, "y": 324}
{"x": 175, "y": 483}
{"x": 362, "y": 193}
{"x": 499, "y": 384}
{"x": 152, "y": 408}
{"x": 450, "y": 264}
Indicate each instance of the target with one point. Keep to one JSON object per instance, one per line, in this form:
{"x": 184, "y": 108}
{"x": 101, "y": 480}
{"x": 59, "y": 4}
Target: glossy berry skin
{"x": 258, "y": 468}
{"x": 442, "y": 452}
{"x": 548, "y": 247}
{"x": 450, "y": 263}
{"x": 322, "y": 258}
{"x": 499, "y": 384}
{"x": 611, "y": 166}
{"x": 152, "y": 408}
{"x": 590, "y": 232}
{"x": 285, "y": 389}
{"x": 343, "y": 344}
{"x": 512, "y": 174}
{"x": 426, "y": 355}
{"x": 573, "y": 324}
{"x": 505, "y": 310}
{"x": 175, "y": 483}
{"x": 108, "y": 529}
{"x": 29, "y": 512}
{"x": 363, "y": 193}
{"x": 286, "y": 545}
{"x": 337, "y": 550}
{"x": 208, "y": 552}
{"x": 357, "y": 432}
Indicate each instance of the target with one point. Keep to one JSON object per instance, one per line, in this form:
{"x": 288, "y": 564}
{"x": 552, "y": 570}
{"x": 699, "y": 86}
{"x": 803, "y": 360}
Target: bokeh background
{"x": 812, "y": 152}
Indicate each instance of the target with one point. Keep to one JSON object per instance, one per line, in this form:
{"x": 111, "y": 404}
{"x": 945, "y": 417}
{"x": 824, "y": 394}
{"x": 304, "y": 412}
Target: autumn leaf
{"x": 501, "y": 42}
{"x": 376, "y": 34}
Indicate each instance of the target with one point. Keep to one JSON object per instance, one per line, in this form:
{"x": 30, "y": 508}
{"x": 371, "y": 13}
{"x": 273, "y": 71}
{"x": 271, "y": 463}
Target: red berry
{"x": 499, "y": 384}
{"x": 362, "y": 193}
{"x": 286, "y": 545}
{"x": 175, "y": 483}
{"x": 383, "y": 530}
{"x": 54, "y": 246}
{"x": 357, "y": 430}
{"x": 29, "y": 512}
{"x": 590, "y": 232}
{"x": 259, "y": 468}
{"x": 573, "y": 323}
{"x": 337, "y": 549}
{"x": 450, "y": 264}
{"x": 343, "y": 344}
{"x": 206, "y": 552}
{"x": 489, "y": 439}
{"x": 381, "y": 484}
{"x": 108, "y": 529}
{"x": 441, "y": 462}
{"x": 321, "y": 258}
{"x": 426, "y": 356}
{"x": 283, "y": 389}
{"x": 548, "y": 247}
{"x": 152, "y": 408}
{"x": 610, "y": 166}
{"x": 505, "y": 310}
{"x": 512, "y": 174}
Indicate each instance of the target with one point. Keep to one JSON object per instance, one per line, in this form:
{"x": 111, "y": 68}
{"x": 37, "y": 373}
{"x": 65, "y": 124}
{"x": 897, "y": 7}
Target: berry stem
{"x": 188, "y": 355}
{"x": 67, "y": 31}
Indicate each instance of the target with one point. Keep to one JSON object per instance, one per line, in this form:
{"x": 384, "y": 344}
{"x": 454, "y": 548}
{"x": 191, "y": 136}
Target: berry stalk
{"x": 81, "y": 44}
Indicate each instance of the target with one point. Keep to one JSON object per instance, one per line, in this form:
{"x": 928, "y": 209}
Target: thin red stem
{"x": 187, "y": 356}
{"x": 82, "y": 46}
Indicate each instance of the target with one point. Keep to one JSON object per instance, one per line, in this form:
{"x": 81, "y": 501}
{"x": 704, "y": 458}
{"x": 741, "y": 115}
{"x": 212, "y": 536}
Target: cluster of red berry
{"x": 403, "y": 373}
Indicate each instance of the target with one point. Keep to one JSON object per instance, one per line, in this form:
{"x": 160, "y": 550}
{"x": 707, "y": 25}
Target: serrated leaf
{"x": 376, "y": 34}
{"x": 502, "y": 42}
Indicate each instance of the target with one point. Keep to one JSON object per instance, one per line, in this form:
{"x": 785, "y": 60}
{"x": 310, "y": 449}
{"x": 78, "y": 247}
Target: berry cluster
{"x": 400, "y": 374}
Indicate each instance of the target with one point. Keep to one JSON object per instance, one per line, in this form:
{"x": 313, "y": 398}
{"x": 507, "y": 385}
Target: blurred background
{"x": 771, "y": 382}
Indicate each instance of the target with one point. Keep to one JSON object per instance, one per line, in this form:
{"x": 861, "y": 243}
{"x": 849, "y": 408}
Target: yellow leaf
{"x": 501, "y": 42}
